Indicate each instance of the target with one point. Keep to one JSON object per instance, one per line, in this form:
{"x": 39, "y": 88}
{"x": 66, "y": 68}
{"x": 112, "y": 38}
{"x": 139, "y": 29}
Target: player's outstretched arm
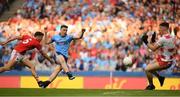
{"x": 45, "y": 36}
{"x": 1, "y": 43}
{"x": 81, "y": 36}
{"x": 46, "y": 40}
{"x": 11, "y": 39}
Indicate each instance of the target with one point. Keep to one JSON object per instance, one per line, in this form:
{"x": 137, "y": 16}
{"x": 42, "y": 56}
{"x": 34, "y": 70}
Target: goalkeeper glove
{"x": 145, "y": 38}
{"x": 153, "y": 38}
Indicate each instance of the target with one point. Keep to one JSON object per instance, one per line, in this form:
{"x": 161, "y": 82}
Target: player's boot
{"x": 161, "y": 80}
{"x": 150, "y": 87}
{"x": 40, "y": 83}
{"x": 46, "y": 83}
{"x": 70, "y": 75}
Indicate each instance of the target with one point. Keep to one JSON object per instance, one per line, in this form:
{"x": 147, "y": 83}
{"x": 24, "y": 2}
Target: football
{"x": 127, "y": 61}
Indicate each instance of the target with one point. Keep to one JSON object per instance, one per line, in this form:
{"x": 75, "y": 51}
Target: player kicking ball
{"x": 165, "y": 57}
{"x": 62, "y": 42}
{"x": 26, "y": 43}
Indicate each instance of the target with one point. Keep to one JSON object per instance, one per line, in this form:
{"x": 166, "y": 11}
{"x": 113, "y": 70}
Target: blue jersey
{"x": 62, "y": 44}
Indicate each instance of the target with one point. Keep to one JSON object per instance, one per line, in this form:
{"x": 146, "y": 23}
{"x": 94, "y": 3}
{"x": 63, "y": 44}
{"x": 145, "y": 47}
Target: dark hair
{"x": 164, "y": 24}
{"x": 38, "y": 34}
{"x": 176, "y": 29}
{"x": 64, "y": 26}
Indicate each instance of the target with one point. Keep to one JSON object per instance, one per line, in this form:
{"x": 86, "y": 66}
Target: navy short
{"x": 57, "y": 53}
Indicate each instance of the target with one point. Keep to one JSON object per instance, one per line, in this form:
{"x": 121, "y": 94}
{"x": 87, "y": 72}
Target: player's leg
{"x": 160, "y": 78}
{"x": 28, "y": 63}
{"x": 151, "y": 70}
{"x": 8, "y": 66}
{"x": 149, "y": 76}
{"x": 63, "y": 62}
{"x": 56, "y": 71}
{"x": 11, "y": 62}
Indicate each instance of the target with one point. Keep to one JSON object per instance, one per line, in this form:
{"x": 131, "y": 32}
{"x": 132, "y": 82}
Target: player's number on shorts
{"x": 26, "y": 41}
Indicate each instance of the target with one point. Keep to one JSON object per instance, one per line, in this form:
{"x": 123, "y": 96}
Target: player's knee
{"x": 63, "y": 63}
{"x": 32, "y": 67}
{"x": 146, "y": 70}
{"x": 58, "y": 68}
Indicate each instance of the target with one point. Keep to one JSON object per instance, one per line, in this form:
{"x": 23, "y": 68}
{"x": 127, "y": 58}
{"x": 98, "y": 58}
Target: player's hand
{"x": 45, "y": 30}
{"x": 2, "y": 43}
{"x": 144, "y": 38}
{"x": 153, "y": 38}
{"x": 83, "y": 30}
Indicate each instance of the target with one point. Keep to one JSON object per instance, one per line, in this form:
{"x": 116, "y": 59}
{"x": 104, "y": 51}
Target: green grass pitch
{"x": 29, "y": 92}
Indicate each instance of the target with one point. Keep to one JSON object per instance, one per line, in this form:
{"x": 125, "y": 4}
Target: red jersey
{"x": 27, "y": 43}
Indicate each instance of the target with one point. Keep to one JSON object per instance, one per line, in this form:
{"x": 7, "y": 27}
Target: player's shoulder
{"x": 55, "y": 36}
{"x": 36, "y": 42}
{"x": 69, "y": 36}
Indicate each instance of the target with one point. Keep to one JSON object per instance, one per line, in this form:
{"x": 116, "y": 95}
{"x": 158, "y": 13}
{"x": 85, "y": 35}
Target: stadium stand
{"x": 113, "y": 33}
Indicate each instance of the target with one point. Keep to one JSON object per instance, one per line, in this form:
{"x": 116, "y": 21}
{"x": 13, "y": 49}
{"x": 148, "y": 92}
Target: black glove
{"x": 153, "y": 38}
{"x": 145, "y": 38}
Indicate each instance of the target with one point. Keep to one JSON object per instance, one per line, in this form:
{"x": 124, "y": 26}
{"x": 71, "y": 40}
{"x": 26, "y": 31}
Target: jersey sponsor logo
{"x": 62, "y": 42}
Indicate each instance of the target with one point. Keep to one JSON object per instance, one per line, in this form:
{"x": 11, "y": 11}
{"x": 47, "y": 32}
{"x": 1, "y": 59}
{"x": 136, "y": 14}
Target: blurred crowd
{"x": 4, "y": 5}
{"x": 113, "y": 30}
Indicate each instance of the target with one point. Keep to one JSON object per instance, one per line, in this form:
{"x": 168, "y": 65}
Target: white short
{"x": 16, "y": 56}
